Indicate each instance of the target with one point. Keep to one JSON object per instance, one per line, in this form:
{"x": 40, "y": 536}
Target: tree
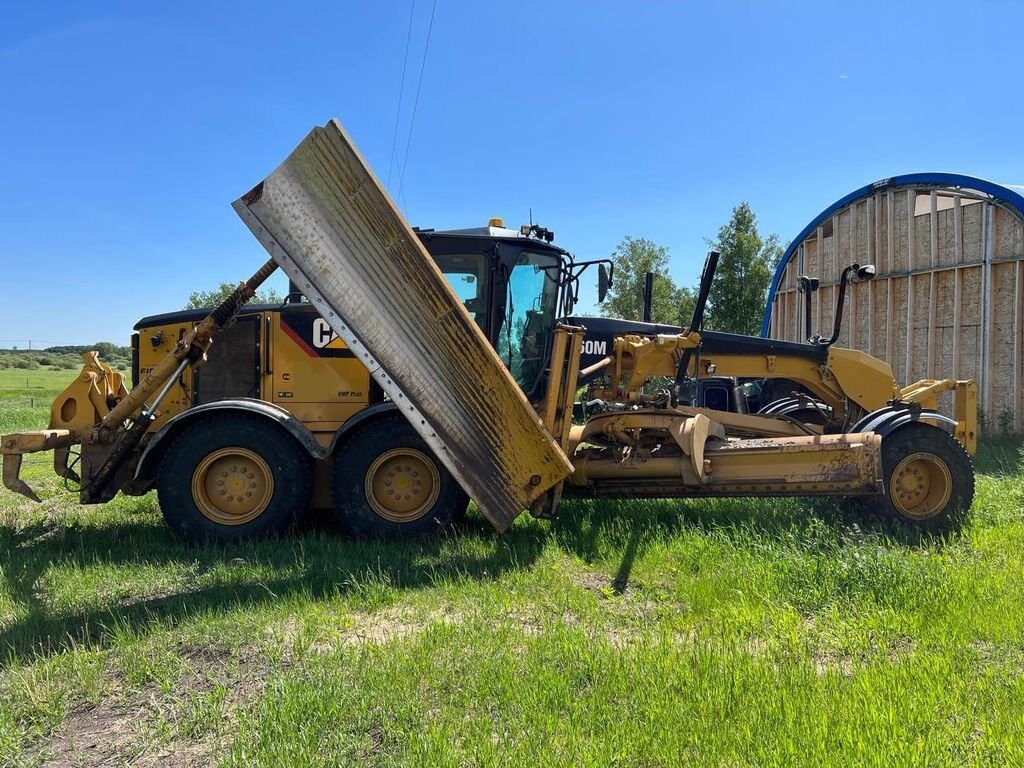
{"x": 686, "y": 300}
{"x": 106, "y": 349}
{"x": 738, "y": 293}
{"x": 209, "y": 299}
{"x": 633, "y": 259}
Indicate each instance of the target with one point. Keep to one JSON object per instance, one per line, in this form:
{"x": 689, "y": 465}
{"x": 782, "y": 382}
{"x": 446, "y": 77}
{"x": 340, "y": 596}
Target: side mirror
{"x": 604, "y": 281}
{"x": 866, "y": 272}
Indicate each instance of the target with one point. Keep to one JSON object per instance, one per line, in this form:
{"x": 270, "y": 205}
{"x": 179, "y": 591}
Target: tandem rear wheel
{"x": 233, "y": 477}
{"x": 387, "y": 483}
{"x": 928, "y": 476}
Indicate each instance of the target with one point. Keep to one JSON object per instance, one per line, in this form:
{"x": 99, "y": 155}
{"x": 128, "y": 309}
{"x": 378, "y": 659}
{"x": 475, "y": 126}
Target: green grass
{"x": 25, "y": 397}
{"x": 726, "y": 632}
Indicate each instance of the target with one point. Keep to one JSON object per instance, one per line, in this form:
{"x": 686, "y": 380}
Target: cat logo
{"x": 324, "y": 337}
{"x": 313, "y": 335}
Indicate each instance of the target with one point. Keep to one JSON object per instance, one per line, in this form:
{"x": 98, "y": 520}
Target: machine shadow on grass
{"x": 316, "y": 564}
{"x": 330, "y": 564}
{"x": 622, "y": 523}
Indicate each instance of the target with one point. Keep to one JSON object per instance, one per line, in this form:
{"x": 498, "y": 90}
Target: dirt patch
{"x": 630, "y": 601}
{"x": 827, "y": 658}
{"x": 619, "y": 629}
{"x": 155, "y": 730}
{"x": 389, "y": 625}
{"x": 846, "y": 664}
{"x": 111, "y": 735}
{"x": 824, "y": 663}
{"x": 598, "y": 583}
{"x": 377, "y": 628}
{"x": 1008, "y": 659}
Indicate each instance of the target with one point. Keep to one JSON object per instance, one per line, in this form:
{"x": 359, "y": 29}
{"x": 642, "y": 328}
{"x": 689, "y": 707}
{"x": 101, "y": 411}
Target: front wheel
{"x": 387, "y": 483}
{"x": 929, "y": 478}
{"x": 231, "y": 477}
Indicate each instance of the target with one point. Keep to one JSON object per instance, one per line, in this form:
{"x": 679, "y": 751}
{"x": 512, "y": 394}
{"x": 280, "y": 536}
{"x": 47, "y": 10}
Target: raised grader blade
{"x": 327, "y": 221}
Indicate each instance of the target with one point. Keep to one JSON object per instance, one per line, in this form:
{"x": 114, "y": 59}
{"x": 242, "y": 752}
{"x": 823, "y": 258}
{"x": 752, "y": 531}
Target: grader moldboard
{"x": 412, "y": 370}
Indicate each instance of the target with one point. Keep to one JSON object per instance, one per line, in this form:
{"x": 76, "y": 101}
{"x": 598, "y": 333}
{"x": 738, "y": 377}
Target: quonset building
{"x": 948, "y": 296}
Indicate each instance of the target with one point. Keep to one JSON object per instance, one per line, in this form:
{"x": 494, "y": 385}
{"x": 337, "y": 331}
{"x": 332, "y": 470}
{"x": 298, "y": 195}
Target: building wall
{"x": 948, "y": 298}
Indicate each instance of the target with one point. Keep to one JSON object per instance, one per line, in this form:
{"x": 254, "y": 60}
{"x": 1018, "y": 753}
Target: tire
{"x": 929, "y": 478}
{"x": 372, "y": 469}
{"x": 240, "y": 452}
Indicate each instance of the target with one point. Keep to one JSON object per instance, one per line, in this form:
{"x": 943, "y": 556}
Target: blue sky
{"x": 127, "y": 129}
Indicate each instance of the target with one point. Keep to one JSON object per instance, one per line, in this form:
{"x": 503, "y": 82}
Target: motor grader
{"x": 412, "y": 370}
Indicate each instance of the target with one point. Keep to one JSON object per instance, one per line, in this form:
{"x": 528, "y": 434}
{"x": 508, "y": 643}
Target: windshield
{"x": 529, "y": 316}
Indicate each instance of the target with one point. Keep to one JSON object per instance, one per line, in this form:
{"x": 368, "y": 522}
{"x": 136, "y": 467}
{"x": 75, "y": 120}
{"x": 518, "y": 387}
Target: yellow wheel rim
{"x": 921, "y": 486}
{"x": 232, "y": 486}
{"x": 402, "y": 485}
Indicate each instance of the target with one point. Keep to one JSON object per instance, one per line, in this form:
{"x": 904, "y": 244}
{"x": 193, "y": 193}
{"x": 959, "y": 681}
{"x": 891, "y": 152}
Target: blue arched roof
{"x": 954, "y": 180}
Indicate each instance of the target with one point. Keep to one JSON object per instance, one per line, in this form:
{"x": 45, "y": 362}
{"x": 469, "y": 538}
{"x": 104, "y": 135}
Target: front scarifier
{"x": 96, "y": 413}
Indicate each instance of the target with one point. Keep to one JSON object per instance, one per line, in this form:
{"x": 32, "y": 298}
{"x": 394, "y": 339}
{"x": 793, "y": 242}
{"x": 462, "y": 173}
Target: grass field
{"x": 733, "y": 632}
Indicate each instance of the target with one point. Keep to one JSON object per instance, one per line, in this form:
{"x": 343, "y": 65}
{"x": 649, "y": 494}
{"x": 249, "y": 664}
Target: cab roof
{"x": 490, "y": 232}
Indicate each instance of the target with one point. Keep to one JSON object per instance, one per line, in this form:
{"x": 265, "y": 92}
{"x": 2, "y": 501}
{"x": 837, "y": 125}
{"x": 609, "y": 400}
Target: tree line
{"x": 66, "y": 357}
{"x": 737, "y": 298}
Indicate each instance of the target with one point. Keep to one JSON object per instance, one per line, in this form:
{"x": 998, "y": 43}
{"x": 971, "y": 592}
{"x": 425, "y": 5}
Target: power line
{"x": 401, "y": 92}
{"x": 415, "y": 103}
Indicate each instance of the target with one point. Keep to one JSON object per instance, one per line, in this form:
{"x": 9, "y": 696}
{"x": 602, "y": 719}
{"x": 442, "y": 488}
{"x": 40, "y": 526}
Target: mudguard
{"x": 146, "y": 469}
{"x": 790, "y": 405}
{"x": 886, "y": 420}
{"x": 328, "y": 222}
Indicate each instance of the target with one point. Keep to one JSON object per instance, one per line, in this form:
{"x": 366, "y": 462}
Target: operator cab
{"x": 517, "y": 285}
{"x": 511, "y": 283}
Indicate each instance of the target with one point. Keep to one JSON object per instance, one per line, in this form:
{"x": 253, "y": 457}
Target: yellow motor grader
{"x": 412, "y": 370}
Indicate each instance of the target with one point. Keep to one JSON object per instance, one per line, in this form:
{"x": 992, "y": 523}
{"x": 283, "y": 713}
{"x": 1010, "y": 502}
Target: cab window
{"x": 467, "y": 274}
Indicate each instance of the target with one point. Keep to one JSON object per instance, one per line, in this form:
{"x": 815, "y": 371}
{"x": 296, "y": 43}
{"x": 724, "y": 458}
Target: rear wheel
{"x": 929, "y": 478}
{"x": 387, "y": 483}
{"x": 231, "y": 477}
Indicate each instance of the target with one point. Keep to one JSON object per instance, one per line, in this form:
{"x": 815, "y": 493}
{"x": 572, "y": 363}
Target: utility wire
{"x": 415, "y": 103}
{"x": 401, "y": 92}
